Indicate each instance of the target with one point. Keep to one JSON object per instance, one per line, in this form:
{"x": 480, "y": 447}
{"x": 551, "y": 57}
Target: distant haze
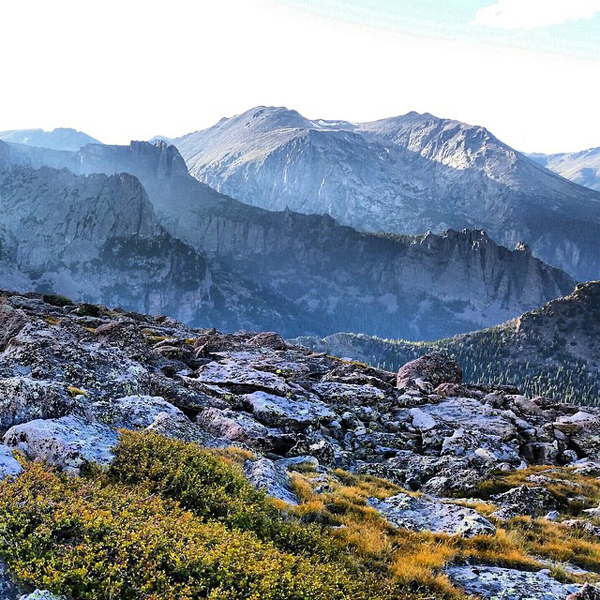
{"x": 141, "y": 68}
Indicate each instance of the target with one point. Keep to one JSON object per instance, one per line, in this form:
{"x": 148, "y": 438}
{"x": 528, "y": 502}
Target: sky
{"x": 528, "y": 70}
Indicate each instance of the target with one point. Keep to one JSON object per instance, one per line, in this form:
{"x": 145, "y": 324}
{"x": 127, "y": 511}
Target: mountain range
{"x": 406, "y": 174}
{"x": 249, "y": 267}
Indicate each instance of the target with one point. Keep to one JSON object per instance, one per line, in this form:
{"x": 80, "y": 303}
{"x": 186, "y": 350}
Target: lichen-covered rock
{"x": 9, "y": 589}
{"x": 424, "y": 513}
{"x": 131, "y": 412}
{"x": 9, "y": 465}
{"x": 23, "y": 399}
{"x": 435, "y": 368}
{"x": 533, "y": 501}
{"x": 295, "y": 411}
{"x": 272, "y": 478}
{"x": 349, "y": 393}
{"x": 68, "y": 443}
{"x": 495, "y": 583}
{"x": 587, "y": 592}
{"x": 42, "y": 595}
{"x": 238, "y": 377}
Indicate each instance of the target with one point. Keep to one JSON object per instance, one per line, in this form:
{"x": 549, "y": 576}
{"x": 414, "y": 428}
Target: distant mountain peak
{"x": 61, "y": 138}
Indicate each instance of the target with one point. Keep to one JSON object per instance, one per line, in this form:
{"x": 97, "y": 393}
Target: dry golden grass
{"x": 75, "y": 391}
{"x": 417, "y": 559}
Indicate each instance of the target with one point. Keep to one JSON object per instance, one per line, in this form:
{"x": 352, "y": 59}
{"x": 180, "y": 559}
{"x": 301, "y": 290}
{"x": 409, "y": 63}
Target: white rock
{"x": 495, "y": 583}
{"x": 68, "y": 443}
{"x": 132, "y": 412}
{"x": 9, "y": 465}
{"x": 272, "y": 478}
{"x": 425, "y": 513}
{"x": 421, "y": 420}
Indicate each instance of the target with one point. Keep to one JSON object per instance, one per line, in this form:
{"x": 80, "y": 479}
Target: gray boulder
{"x": 272, "y": 478}
{"x": 23, "y": 399}
{"x": 425, "y": 513}
{"x": 9, "y": 465}
{"x": 533, "y": 501}
{"x": 435, "y": 368}
{"x": 68, "y": 443}
{"x": 131, "y": 412}
{"x": 495, "y": 583}
{"x": 295, "y": 411}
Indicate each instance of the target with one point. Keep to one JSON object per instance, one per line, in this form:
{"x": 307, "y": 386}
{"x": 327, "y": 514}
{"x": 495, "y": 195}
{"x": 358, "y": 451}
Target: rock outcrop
{"x": 116, "y": 369}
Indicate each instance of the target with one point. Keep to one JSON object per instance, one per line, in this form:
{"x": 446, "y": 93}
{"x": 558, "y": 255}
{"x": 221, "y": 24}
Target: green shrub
{"x": 96, "y": 539}
{"x": 57, "y": 300}
{"x": 212, "y": 489}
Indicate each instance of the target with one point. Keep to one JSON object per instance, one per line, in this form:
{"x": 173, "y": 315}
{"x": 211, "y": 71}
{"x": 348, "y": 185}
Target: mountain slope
{"x": 57, "y": 139}
{"x": 581, "y": 167}
{"x": 553, "y": 351}
{"x": 328, "y": 276}
{"x": 406, "y": 174}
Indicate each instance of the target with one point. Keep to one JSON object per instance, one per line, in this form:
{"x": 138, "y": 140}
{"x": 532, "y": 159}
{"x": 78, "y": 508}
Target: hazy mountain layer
{"x": 323, "y": 276}
{"x": 553, "y": 351}
{"x": 581, "y": 167}
{"x": 406, "y": 174}
{"x": 58, "y": 139}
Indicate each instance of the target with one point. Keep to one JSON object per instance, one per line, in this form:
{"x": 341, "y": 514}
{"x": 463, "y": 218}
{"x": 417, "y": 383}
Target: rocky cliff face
{"x": 407, "y": 174}
{"x": 323, "y": 277}
{"x": 552, "y": 351}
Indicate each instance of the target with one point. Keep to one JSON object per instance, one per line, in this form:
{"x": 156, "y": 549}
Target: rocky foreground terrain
{"x": 440, "y": 484}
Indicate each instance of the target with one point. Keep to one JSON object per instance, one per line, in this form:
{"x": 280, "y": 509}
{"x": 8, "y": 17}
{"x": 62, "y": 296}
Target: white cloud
{"x": 532, "y": 14}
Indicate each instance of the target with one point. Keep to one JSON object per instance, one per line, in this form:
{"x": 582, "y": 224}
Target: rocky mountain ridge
{"x": 306, "y": 273}
{"x": 62, "y": 138}
{"x": 406, "y": 175}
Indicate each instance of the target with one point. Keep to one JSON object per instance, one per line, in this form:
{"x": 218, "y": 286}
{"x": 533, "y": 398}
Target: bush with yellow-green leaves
{"x": 168, "y": 521}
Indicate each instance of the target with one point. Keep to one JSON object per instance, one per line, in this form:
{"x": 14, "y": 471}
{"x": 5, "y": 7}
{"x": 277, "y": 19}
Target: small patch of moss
{"x": 57, "y": 300}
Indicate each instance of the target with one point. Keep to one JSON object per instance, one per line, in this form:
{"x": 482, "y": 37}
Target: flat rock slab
{"x": 132, "y": 412}
{"x": 68, "y": 443}
{"x": 351, "y": 394}
{"x": 462, "y": 412}
{"x": 495, "y": 583}
{"x": 272, "y": 478}
{"x": 425, "y": 513}
{"x": 241, "y": 377}
{"x": 276, "y": 411}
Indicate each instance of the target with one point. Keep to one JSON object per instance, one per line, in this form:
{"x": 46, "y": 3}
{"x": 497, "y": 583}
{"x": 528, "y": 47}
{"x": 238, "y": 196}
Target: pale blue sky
{"x": 529, "y": 70}
{"x": 452, "y": 19}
